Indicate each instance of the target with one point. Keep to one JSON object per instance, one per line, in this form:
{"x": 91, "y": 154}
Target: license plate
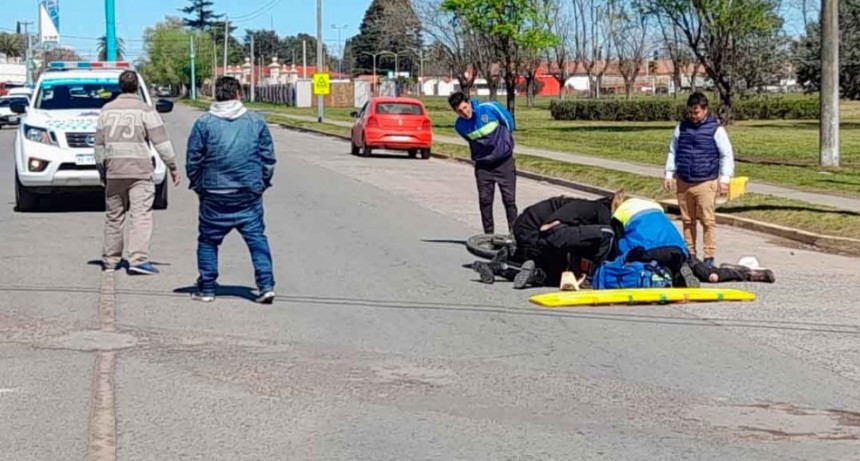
{"x": 84, "y": 159}
{"x": 401, "y": 138}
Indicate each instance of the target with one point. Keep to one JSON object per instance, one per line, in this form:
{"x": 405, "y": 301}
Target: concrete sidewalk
{"x": 844, "y": 203}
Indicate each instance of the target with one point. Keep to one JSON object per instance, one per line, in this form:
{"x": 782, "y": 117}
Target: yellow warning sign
{"x": 322, "y": 84}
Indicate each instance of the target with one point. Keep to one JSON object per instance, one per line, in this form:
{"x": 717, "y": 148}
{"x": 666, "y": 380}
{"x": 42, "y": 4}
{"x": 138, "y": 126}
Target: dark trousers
{"x": 560, "y": 248}
{"x": 220, "y": 214}
{"x": 505, "y": 175}
{"x": 673, "y": 258}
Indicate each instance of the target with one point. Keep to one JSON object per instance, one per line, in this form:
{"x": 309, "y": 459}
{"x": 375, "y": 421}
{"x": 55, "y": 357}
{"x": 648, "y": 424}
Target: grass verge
{"x": 775, "y": 210}
{"x": 782, "y": 152}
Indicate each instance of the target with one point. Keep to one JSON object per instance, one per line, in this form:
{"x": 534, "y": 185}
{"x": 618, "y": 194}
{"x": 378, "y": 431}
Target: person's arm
{"x": 669, "y": 178}
{"x": 727, "y": 156}
{"x": 504, "y": 115}
{"x": 267, "y": 153}
{"x": 196, "y": 151}
{"x": 157, "y": 134}
{"x": 100, "y": 150}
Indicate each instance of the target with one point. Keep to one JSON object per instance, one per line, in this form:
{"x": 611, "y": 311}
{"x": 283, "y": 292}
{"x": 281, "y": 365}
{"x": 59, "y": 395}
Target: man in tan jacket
{"x": 124, "y": 129}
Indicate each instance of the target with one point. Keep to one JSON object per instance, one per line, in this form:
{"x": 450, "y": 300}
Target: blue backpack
{"x": 633, "y": 274}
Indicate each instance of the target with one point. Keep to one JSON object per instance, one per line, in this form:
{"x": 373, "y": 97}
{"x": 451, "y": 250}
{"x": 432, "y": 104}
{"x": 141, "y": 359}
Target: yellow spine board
{"x": 640, "y": 296}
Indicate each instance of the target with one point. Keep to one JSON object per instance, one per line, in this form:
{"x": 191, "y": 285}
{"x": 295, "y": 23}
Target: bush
{"x": 648, "y": 110}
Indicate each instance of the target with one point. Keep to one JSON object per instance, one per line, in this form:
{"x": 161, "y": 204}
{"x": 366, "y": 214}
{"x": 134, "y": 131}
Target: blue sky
{"x": 81, "y": 21}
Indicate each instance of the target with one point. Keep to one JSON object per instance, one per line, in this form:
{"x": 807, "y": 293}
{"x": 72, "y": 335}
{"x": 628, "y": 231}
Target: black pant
{"x": 673, "y": 258}
{"x": 505, "y": 175}
{"x": 562, "y": 246}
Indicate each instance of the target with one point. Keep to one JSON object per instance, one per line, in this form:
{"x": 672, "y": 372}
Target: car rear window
{"x": 399, "y": 108}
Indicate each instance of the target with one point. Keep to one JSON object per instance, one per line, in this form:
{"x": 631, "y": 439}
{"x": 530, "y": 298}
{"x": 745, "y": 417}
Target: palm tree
{"x": 120, "y": 48}
{"x": 12, "y": 45}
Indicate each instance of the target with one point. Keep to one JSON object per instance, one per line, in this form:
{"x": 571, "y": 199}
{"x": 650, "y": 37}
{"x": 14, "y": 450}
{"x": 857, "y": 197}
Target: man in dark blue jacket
{"x": 488, "y": 127}
{"x": 231, "y": 159}
{"x": 701, "y": 159}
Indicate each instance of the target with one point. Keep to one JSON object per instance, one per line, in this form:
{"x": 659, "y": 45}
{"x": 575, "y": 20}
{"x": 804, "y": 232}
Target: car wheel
{"x": 160, "y": 202}
{"x": 413, "y": 153}
{"x": 355, "y": 149}
{"x": 24, "y": 199}
{"x": 366, "y": 150}
{"x": 425, "y": 153}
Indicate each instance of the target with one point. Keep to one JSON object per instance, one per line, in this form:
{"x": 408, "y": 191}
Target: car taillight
{"x": 426, "y": 125}
{"x": 372, "y": 123}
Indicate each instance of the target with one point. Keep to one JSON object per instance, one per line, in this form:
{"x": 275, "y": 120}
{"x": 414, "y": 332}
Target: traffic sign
{"x": 322, "y": 84}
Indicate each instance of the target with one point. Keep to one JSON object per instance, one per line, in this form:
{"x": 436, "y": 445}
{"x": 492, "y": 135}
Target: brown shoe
{"x": 761, "y": 275}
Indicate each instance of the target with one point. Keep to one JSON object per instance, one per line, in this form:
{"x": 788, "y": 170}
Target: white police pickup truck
{"x": 54, "y": 143}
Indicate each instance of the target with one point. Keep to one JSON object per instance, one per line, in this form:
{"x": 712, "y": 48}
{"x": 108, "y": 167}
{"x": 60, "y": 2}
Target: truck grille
{"x": 78, "y": 140}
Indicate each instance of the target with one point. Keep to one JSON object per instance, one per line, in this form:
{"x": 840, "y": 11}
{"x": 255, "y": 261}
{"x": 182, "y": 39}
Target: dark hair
{"x": 128, "y": 82}
{"x": 697, "y": 99}
{"x": 226, "y": 88}
{"x": 456, "y": 98}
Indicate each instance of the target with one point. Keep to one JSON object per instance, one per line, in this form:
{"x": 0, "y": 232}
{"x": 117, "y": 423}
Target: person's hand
{"x": 177, "y": 178}
{"x": 668, "y": 184}
{"x": 724, "y": 188}
{"x": 549, "y": 226}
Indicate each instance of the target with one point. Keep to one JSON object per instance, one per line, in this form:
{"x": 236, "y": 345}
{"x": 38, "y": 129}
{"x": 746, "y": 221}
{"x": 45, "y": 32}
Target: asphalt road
{"x": 381, "y": 346}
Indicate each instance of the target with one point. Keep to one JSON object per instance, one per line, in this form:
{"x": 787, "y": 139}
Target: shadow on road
{"x": 70, "y": 203}
{"x": 223, "y": 291}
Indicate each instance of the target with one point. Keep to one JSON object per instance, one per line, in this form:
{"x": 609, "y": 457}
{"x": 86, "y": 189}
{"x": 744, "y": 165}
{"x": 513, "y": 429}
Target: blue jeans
{"x": 220, "y": 214}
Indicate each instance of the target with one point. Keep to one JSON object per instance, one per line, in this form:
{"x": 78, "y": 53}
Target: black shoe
{"x": 528, "y": 275}
{"x": 485, "y": 271}
{"x": 761, "y": 275}
{"x": 690, "y": 279}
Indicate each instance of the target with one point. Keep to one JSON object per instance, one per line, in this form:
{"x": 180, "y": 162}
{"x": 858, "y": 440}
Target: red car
{"x": 392, "y": 123}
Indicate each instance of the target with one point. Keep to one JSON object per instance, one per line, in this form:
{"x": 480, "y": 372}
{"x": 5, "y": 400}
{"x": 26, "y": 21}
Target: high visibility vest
{"x": 632, "y": 207}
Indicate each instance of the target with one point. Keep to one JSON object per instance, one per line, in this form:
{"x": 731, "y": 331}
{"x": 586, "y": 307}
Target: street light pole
{"x": 110, "y": 32}
{"x": 193, "y": 72}
{"x": 320, "y": 98}
{"x": 373, "y": 81}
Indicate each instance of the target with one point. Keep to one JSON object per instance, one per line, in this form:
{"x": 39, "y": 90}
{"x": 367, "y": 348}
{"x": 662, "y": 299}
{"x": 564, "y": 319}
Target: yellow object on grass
{"x": 639, "y": 296}
{"x": 737, "y": 187}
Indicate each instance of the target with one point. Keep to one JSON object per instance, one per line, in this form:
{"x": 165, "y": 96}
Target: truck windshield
{"x": 77, "y": 94}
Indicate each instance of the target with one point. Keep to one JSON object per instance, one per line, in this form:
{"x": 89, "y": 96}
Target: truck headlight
{"x": 41, "y": 135}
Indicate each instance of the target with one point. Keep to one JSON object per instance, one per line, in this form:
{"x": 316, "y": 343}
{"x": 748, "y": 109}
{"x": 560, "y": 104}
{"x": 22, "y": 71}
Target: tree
{"x": 235, "y": 51}
{"x": 102, "y": 48}
{"x": 630, "y": 36}
{"x": 12, "y": 45}
{"x": 388, "y": 25}
{"x": 168, "y": 50}
{"x": 450, "y": 43}
{"x": 713, "y": 30}
{"x": 515, "y": 30}
{"x": 677, "y": 50}
{"x": 765, "y": 59}
{"x": 199, "y": 15}
{"x": 267, "y": 43}
{"x": 559, "y": 18}
{"x": 808, "y": 53}
{"x": 593, "y": 45}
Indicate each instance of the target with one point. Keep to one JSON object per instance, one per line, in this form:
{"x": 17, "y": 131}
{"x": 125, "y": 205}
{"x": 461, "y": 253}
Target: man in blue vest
{"x": 488, "y": 127}
{"x": 701, "y": 160}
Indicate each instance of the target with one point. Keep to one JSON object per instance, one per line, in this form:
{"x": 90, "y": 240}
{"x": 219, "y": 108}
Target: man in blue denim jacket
{"x": 231, "y": 160}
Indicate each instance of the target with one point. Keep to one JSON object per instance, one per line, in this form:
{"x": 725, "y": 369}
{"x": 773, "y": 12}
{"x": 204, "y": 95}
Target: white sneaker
{"x": 266, "y": 298}
{"x": 202, "y": 297}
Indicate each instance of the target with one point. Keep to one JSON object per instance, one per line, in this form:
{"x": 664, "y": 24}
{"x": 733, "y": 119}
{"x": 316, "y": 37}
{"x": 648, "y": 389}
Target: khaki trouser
{"x": 698, "y": 202}
{"x": 135, "y": 198}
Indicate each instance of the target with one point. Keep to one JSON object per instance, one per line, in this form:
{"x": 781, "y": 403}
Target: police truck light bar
{"x": 89, "y": 65}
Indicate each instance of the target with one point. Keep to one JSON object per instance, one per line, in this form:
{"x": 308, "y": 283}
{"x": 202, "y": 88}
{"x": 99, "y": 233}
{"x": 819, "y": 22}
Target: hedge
{"x": 672, "y": 110}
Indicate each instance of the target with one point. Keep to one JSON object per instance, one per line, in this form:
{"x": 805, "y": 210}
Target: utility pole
{"x": 304, "y": 59}
{"x": 226, "y": 41}
{"x": 28, "y": 55}
{"x": 193, "y": 72}
{"x": 214, "y": 66}
{"x": 253, "y": 65}
{"x": 320, "y": 60}
{"x": 110, "y": 36}
{"x": 829, "y": 131}
{"x": 339, "y": 47}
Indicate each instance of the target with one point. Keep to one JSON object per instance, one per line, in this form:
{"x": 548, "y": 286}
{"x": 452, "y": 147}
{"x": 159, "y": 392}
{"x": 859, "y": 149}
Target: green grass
{"x": 785, "y": 212}
{"x": 782, "y": 152}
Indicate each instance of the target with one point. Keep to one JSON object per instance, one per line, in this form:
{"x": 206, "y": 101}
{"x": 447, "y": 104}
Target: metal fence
{"x": 275, "y": 94}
